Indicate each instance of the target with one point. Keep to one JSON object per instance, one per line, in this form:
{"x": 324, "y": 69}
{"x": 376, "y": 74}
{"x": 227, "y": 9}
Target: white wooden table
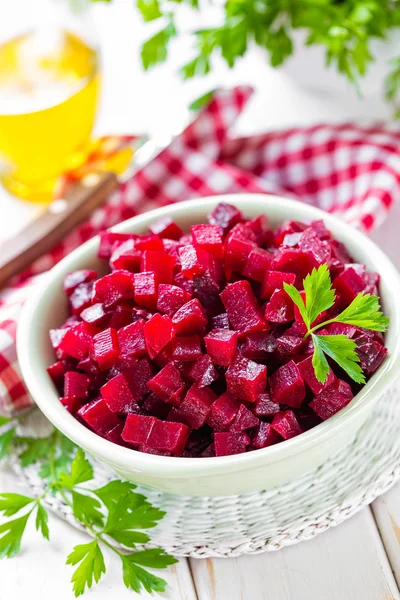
{"x": 358, "y": 560}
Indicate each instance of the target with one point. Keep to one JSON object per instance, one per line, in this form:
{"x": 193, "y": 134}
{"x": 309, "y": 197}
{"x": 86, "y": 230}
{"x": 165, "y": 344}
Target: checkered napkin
{"x": 346, "y": 169}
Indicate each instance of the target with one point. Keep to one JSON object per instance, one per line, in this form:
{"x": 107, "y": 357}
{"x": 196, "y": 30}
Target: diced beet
{"x": 146, "y": 285}
{"x": 220, "y": 321}
{"x": 221, "y": 346}
{"x": 225, "y": 216}
{"x": 236, "y": 253}
{"x": 289, "y": 346}
{"x": 264, "y": 407}
{"x": 246, "y": 379}
{"x": 288, "y": 227}
{"x": 195, "y": 261}
{"x": 168, "y": 437}
{"x": 196, "y": 406}
{"x": 257, "y": 263}
{"x": 113, "y": 288}
{"x": 158, "y": 332}
{"x": 131, "y": 340}
{"x": 203, "y": 371}
{"x": 138, "y": 375}
{"x": 317, "y": 250}
{"x": 108, "y": 239}
{"x": 171, "y": 298}
{"x": 77, "y": 340}
{"x": 331, "y": 399}
{"x": 114, "y": 435}
{"x": 206, "y": 290}
{"x": 307, "y": 372}
{"x": 166, "y": 382}
{"x": 242, "y": 231}
{"x": 105, "y": 349}
{"x": 190, "y": 318}
{"x": 117, "y": 394}
{"x": 137, "y": 429}
{"x": 183, "y": 282}
{"x": 242, "y": 309}
{"x": 153, "y": 405}
{"x": 149, "y": 242}
{"x": 287, "y": 385}
{"x": 227, "y": 443}
{"x": 126, "y": 256}
{"x": 160, "y": 263}
{"x": 264, "y": 436}
{"x": 209, "y": 452}
{"x": 75, "y": 278}
{"x": 341, "y": 329}
{"x": 292, "y": 260}
{"x": 81, "y": 297}
{"x": 165, "y": 227}
{"x": 207, "y": 237}
{"x": 244, "y": 420}
{"x": 76, "y": 385}
{"x": 72, "y": 403}
{"x": 163, "y": 357}
{"x": 56, "y": 372}
{"x": 258, "y": 346}
{"x": 95, "y": 314}
{"x": 285, "y": 423}
{"x": 348, "y": 285}
{"x": 223, "y": 412}
{"x": 120, "y": 316}
{"x": 199, "y": 440}
{"x": 280, "y": 308}
{"x": 261, "y": 227}
{"x": 371, "y": 355}
{"x": 274, "y": 280}
{"x": 147, "y": 450}
{"x": 98, "y": 416}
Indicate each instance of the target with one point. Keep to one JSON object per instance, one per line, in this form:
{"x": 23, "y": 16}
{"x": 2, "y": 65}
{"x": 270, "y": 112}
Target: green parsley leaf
{"x": 155, "y": 49}
{"x": 81, "y": 471}
{"x": 364, "y": 312}
{"x": 135, "y": 577}
{"x": 129, "y": 538}
{"x": 201, "y": 101}
{"x": 319, "y": 293}
{"x": 4, "y": 421}
{"x": 133, "y": 512}
{"x": 112, "y": 492}
{"x": 86, "y": 509}
{"x": 42, "y": 519}
{"x": 91, "y": 566}
{"x": 149, "y": 9}
{"x": 342, "y": 350}
{"x": 295, "y": 296}
{"x": 10, "y": 541}
{"x": 6, "y": 440}
{"x": 10, "y": 504}
{"x": 155, "y": 558}
{"x": 35, "y": 449}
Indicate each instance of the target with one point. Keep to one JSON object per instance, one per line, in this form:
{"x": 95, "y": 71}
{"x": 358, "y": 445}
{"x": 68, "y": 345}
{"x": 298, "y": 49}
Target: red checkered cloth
{"x": 346, "y": 169}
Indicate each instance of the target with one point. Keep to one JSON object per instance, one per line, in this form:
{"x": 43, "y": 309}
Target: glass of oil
{"x": 49, "y": 88}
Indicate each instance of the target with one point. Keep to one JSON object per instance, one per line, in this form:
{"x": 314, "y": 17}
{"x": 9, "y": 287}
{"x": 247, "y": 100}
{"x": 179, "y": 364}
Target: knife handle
{"x": 50, "y": 227}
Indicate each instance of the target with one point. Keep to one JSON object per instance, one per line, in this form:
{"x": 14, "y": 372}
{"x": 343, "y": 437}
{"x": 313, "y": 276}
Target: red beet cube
{"x": 307, "y": 372}
{"x": 244, "y": 420}
{"x": 114, "y": 435}
{"x": 190, "y": 318}
{"x": 292, "y": 260}
{"x": 126, "y": 256}
{"x": 158, "y": 333}
{"x": 117, "y": 394}
{"x": 95, "y": 314}
{"x": 221, "y": 346}
{"x": 110, "y": 239}
{"x": 220, "y": 321}
{"x": 76, "y": 385}
{"x": 105, "y": 349}
{"x": 227, "y": 443}
{"x": 72, "y": 403}
{"x": 225, "y": 216}
{"x": 168, "y": 437}
{"x": 166, "y": 382}
{"x": 149, "y": 242}
{"x": 261, "y": 227}
{"x": 371, "y": 355}
{"x": 121, "y": 316}
{"x": 146, "y": 285}
{"x": 264, "y": 407}
{"x": 195, "y": 261}
{"x": 246, "y": 379}
{"x": 113, "y": 288}
{"x": 203, "y": 371}
{"x": 81, "y": 297}
{"x": 286, "y": 424}
{"x": 160, "y": 263}
{"x": 280, "y": 308}
{"x": 242, "y": 309}
{"x": 317, "y": 250}
{"x": 153, "y": 405}
{"x": 348, "y": 285}
{"x": 264, "y": 436}
{"x": 287, "y": 385}
{"x": 274, "y": 280}
{"x": 183, "y": 282}
{"x": 290, "y": 345}
{"x": 165, "y": 227}
{"x": 98, "y": 416}
{"x": 196, "y": 406}
{"x": 223, "y": 412}
{"x": 131, "y": 340}
{"x": 332, "y": 399}
{"x": 75, "y": 278}
{"x": 207, "y": 237}
{"x": 258, "y": 346}
{"x": 236, "y": 253}
{"x": 171, "y": 298}
{"x": 186, "y": 348}
{"x": 206, "y": 290}
{"x": 77, "y": 340}
{"x": 137, "y": 429}
{"x": 57, "y": 372}
{"x": 257, "y": 263}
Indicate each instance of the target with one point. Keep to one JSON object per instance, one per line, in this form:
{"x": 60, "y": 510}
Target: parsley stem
{"x": 316, "y": 327}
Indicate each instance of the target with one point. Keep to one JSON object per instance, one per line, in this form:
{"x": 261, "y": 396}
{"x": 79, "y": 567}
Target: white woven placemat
{"x": 268, "y": 520}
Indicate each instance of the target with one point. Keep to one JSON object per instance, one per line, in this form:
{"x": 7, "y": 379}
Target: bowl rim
{"x": 42, "y": 390}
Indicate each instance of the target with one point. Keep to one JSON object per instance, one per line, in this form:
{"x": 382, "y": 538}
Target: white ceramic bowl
{"x": 228, "y": 475}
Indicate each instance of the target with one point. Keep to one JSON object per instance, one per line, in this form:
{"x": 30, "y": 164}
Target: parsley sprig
{"x": 113, "y": 514}
{"x": 363, "y": 312}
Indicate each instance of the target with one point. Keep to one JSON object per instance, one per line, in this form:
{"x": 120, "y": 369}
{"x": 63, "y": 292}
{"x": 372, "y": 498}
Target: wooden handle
{"x": 59, "y": 218}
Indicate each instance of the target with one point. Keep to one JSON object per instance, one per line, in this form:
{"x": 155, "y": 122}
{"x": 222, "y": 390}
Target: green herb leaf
{"x": 35, "y": 449}
{"x": 113, "y": 491}
{"x": 202, "y": 101}
{"x": 149, "y": 9}
{"x": 319, "y": 293}
{"x": 81, "y": 471}
{"x": 11, "y": 534}
{"x": 155, "y": 49}
{"x": 129, "y": 538}
{"x": 156, "y": 558}
{"x": 364, "y": 312}
{"x": 10, "y": 504}
{"x": 294, "y": 294}
{"x": 132, "y": 512}
{"x": 342, "y": 350}
{"x": 6, "y": 440}
{"x": 42, "y": 519}
{"x": 4, "y": 421}
{"x": 86, "y": 509}
{"x": 91, "y": 566}
{"x": 136, "y": 578}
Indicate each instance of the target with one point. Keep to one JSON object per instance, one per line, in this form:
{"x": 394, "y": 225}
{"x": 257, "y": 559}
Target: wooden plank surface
{"x": 386, "y": 510}
{"x": 346, "y": 563}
